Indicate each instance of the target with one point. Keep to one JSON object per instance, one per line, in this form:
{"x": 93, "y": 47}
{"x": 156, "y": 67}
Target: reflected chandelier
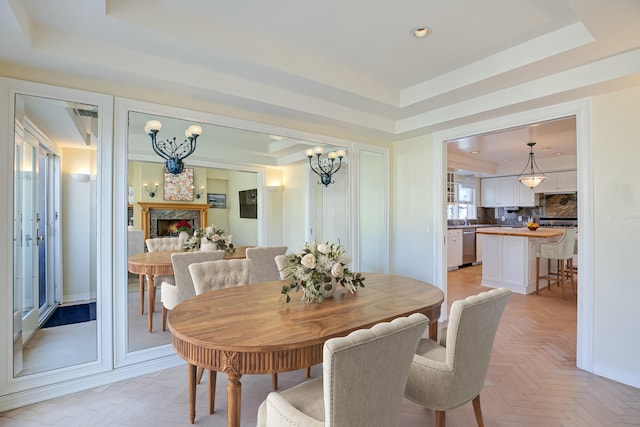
{"x": 174, "y": 153}
{"x": 324, "y": 168}
{"x": 529, "y": 176}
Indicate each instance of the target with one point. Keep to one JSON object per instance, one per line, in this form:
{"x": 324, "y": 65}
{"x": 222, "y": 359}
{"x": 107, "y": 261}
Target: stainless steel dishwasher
{"x": 468, "y": 245}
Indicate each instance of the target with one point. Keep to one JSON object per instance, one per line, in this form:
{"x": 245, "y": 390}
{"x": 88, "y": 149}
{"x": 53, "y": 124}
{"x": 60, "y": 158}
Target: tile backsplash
{"x": 550, "y": 205}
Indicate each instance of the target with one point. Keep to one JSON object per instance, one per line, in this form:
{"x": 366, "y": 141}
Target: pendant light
{"x": 529, "y": 176}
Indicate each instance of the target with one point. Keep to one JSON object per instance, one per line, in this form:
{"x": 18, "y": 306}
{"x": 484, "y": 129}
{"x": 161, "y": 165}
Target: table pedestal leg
{"x": 141, "y": 279}
{"x": 212, "y": 390}
{"x": 192, "y": 392}
{"x": 150, "y": 298}
{"x": 234, "y": 394}
{"x": 433, "y": 330}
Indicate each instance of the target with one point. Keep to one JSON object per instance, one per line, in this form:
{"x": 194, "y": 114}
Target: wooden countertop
{"x": 540, "y": 233}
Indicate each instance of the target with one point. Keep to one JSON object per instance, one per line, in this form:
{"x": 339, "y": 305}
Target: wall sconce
{"x": 199, "y": 192}
{"x": 324, "y": 169}
{"x": 172, "y": 151}
{"x": 152, "y": 193}
{"x": 274, "y": 188}
{"x": 81, "y": 177}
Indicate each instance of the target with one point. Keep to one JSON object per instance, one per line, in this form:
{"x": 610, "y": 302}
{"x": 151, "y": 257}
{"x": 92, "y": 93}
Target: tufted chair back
{"x": 184, "y": 288}
{"x": 263, "y": 264}
{"x": 212, "y": 275}
{"x": 161, "y": 244}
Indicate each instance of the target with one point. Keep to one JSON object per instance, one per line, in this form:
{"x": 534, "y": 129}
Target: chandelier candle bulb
{"x": 341, "y": 153}
{"x": 194, "y": 130}
{"x": 153, "y": 125}
{"x": 309, "y": 152}
{"x": 332, "y": 155}
{"x": 318, "y": 150}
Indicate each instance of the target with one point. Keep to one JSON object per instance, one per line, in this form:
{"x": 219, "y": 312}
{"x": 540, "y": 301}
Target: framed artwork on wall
{"x": 217, "y": 201}
{"x": 179, "y": 187}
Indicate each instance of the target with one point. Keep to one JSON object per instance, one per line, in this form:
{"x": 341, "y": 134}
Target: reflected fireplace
{"x": 159, "y": 219}
{"x": 167, "y": 227}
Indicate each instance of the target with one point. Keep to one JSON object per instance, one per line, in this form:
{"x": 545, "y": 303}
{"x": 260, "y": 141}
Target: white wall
{"x": 77, "y": 213}
{"x": 272, "y": 199}
{"x": 616, "y": 156}
{"x": 244, "y": 230}
{"x": 294, "y": 207}
{"x": 412, "y": 209}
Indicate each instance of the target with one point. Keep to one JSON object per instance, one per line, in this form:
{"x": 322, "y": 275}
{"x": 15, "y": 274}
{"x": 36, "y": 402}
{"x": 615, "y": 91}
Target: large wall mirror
{"x": 61, "y": 278}
{"x": 231, "y": 166}
{"x": 55, "y": 277}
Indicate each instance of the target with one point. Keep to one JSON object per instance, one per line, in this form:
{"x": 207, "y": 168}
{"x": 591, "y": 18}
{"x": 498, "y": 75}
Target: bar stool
{"x": 562, "y": 252}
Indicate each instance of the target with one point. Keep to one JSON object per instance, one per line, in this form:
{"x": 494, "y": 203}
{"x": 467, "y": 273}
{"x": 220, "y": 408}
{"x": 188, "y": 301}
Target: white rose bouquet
{"x": 317, "y": 270}
{"x": 212, "y": 234}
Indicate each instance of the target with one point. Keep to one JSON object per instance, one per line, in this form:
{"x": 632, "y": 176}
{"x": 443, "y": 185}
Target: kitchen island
{"x": 509, "y": 256}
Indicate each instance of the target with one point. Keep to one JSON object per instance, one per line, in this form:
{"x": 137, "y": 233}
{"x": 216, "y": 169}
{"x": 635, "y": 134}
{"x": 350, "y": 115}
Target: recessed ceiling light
{"x": 421, "y": 32}
{"x": 474, "y": 152}
{"x": 546, "y": 148}
{"x": 506, "y": 160}
{"x": 558, "y": 154}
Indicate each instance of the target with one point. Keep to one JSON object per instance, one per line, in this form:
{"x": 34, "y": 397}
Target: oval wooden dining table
{"x": 251, "y": 330}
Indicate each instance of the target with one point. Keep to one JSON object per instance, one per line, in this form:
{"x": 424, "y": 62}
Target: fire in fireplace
{"x": 167, "y": 227}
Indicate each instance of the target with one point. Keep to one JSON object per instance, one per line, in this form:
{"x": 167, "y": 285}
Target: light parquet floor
{"x": 532, "y": 381}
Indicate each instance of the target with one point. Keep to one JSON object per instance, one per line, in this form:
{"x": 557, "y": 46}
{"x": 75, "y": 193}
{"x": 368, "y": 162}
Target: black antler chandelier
{"x": 325, "y": 168}
{"x": 170, "y": 150}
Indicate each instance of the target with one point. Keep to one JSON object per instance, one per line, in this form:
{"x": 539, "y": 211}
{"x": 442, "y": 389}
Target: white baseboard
{"x": 40, "y": 394}
{"x": 622, "y": 377}
{"x": 84, "y": 296}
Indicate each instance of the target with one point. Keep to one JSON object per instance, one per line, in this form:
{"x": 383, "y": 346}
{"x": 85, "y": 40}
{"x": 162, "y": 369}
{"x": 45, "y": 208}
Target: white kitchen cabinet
{"x": 510, "y": 261}
{"x": 499, "y": 192}
{"x": 479, "y": 238}
{"x": 526, "y": 196}
{"x": 558, "y": 182}
{"x": 454, "y": 247}
{"x": 451, "y": 187}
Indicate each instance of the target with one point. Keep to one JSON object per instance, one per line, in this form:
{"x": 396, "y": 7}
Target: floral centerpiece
{"x": 217, "y": 236}
{"x": 317, "y": 270}
{"x": 183, "y": 225}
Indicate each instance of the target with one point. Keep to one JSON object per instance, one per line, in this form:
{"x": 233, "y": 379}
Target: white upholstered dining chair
{"x": 212, "y": 275}
{"x": 171, "y": 294}
{"x": 451, "y": 373}
{"x": 263, "y": 264}
{"x": 364, "y": 375}
{"x": 161, "y": 244}
{"x": 281, "y": 263}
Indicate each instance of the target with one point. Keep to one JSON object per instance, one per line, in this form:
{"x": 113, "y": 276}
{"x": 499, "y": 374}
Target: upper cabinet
{"x": 505, "y": 192}
{"x": 451, "y": 187}
{"x": 498, "y": 192}
{"x": 559, "y": 182}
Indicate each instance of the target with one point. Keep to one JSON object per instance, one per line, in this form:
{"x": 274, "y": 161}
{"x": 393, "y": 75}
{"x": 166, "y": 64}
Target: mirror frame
{"x": 10, "y": 88}
{"x": 124, "y": 106}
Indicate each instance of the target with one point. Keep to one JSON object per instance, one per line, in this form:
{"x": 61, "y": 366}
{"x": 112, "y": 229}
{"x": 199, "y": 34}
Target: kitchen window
{"x": 465, "y": 203}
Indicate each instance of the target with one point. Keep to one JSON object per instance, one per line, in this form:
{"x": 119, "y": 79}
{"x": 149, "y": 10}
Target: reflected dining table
{"x": 251, "y": 330}
{"x": 150, "y": 264}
